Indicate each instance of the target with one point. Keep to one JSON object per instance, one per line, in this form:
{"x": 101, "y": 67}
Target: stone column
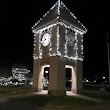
{"x": 57, "y": 76}
{"x": 77, "y": 78}
{"x": 37, "y": 76}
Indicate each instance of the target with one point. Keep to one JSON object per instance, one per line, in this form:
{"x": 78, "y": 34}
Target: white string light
{"x": 59, "y": 4}
{"x": 64, "y": 23}
{"x": 19, "y": 73}
{"x": 58, "y": 52}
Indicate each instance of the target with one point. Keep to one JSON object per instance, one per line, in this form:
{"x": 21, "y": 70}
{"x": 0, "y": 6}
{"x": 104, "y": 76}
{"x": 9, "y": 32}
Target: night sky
{"x": 16, "y": 37}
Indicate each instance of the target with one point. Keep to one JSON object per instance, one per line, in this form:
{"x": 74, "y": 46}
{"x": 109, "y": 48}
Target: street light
{"x": 47, "y": 75}
{"x": 46, "y": 71}
{"x": 103, "y": 77}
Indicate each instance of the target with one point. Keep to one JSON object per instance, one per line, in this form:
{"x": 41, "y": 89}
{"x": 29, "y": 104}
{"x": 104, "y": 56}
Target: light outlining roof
{"x": 57, "y": 13}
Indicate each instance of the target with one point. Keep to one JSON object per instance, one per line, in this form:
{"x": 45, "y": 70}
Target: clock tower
{"x": 58, "y": 44}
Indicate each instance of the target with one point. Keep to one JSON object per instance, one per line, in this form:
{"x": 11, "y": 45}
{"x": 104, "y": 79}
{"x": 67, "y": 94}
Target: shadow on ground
{"x": 17, "y": 104}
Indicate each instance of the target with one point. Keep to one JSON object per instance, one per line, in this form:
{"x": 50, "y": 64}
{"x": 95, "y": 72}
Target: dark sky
{"x": 18, "y": 16}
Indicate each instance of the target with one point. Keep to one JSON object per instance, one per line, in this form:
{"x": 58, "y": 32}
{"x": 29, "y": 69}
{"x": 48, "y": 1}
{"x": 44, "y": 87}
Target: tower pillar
{"x": 77, "y": 78}
{"x": 57, "y": 76}
{"x": 37, "y": 76}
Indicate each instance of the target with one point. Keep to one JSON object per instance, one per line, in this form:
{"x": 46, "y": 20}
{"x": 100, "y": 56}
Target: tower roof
{"x": 60, "y": 12}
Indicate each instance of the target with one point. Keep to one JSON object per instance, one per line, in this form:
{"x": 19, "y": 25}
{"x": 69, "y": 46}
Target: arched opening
{"x": 70, "y": 75}
{"x": 71, "y": 81}
{"x": 68, "y": 79}
{"x": 46, "y": 78}
{"x": 41, "y": 78}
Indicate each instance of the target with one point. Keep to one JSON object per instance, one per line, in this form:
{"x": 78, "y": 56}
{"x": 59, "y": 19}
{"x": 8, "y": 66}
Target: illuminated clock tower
{"x": 58, "y": 44}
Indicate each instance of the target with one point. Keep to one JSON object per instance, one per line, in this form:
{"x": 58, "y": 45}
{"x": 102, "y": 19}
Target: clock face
{"x": 70, "y": 40}
{"x": 46, "y": 39}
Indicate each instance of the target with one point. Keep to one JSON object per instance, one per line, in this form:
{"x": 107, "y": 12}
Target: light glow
{"x": 19, "y": 73}
{"x": 58, "y": 52}
{"x": 57, "y": 22}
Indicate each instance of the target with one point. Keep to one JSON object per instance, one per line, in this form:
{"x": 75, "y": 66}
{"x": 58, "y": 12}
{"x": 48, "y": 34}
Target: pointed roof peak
{"x": 59, "y": 4}
{"x": 59, "y": 9}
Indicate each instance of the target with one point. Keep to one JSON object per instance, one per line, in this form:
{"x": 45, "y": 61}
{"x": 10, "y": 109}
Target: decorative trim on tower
{"x": 58, "y": 20}
{"x": 59, "y": 4}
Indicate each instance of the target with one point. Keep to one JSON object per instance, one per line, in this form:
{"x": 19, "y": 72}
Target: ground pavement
{"x": 10, "y": 103}
{"x": 100, "y": 106}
